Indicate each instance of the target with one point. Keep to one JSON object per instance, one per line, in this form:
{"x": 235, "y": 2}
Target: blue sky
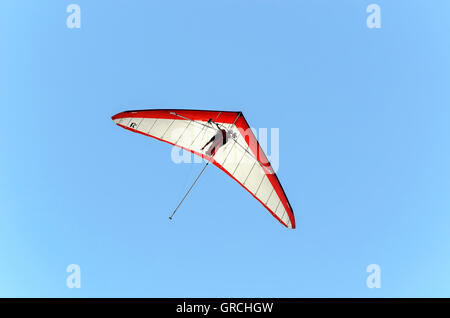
{"x": 363, "y": 117}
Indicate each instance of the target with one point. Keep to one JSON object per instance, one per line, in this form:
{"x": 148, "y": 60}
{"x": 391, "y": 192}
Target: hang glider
{"x": 225, "y": 139}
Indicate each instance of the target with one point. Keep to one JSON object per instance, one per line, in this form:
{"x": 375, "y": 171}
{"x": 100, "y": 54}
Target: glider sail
{"x": 241, "y": 157}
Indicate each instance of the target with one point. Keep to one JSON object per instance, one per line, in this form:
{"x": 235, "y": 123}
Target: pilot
{"x": 218, "y": 140}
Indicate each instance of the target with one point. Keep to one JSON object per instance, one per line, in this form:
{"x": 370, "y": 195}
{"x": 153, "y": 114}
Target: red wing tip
{"x": 113, "y": 117}
{"x": 291, "y": 228}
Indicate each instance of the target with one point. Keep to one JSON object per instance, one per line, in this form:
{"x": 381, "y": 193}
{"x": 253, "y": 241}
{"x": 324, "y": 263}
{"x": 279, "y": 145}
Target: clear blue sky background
{"x": 364, "y": 148}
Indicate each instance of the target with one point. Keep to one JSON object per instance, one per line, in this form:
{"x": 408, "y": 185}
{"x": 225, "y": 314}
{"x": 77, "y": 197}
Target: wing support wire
{"x": 194, "y": 121}
{"x": 198, "y": 177}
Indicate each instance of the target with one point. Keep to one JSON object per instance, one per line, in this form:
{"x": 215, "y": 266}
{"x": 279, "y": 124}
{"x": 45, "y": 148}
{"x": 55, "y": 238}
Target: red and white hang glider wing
{"x": 241, "y": 158}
